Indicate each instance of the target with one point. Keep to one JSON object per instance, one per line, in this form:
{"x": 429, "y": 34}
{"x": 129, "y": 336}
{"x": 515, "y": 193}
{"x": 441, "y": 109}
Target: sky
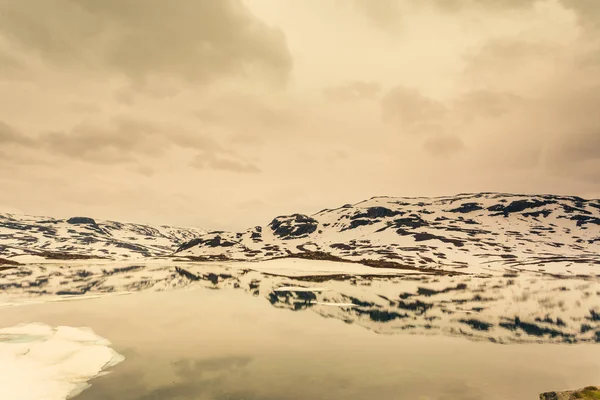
{"x": 224, "y": 114}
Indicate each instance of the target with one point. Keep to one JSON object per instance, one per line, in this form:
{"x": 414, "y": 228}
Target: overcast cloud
{"x": 223, "y": 114}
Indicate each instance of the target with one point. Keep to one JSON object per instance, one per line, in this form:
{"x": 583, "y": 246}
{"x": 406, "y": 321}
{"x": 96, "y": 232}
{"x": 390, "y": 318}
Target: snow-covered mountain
{"x": 24, "y": 238}
{"x": 467, "y": 232}
{"x": 470, "y": 233}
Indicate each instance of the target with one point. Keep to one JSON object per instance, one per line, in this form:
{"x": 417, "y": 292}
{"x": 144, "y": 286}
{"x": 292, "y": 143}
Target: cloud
{"x": 121, "y": 140}
{"x": 576, "y": 147}
{"x": 437, "y": 124}
{"x": 508, "y": 49}
{"x": 458, "y": 5}
{"x": 485, "y": 104}
{"x": 82, "y": 107}
{"x": 444, "y": 145}
{"x": 353, "y": 90}
{"x": 546, "y": 111}
{"x": 240, "y": 110}
{"x": 381, "y": 13}
{"x": 211, "y": 161}
{"x": 558, "y": 127}
{"x": 411, "y": 111}
{"x": 418, "y": 114}
{"x": 191, "y": 40}
{"x": 124, "y": 140}
{"x": 522, "y": 66}
{"x": 574, "y": 155}
{"x": 105, "y": 93}
{"x": 10, "y": 67}
{"x": 9, "y": 135}
{"x": 588, "y": 12}
{"x": 388, "y": 14}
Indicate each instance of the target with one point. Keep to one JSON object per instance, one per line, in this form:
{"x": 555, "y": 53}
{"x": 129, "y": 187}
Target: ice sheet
{"x": 40, "y": 362}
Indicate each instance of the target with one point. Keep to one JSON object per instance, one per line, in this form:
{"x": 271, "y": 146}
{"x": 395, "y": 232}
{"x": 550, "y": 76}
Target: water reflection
{"x": 503, "y": 308}
{"x": 192, "y": 379}
{"x": 226, "y": 344}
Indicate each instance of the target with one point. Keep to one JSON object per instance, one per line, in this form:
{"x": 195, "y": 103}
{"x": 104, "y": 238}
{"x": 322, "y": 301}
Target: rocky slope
{"x": 27, "y": 238}
{"x": 468, "y": 232}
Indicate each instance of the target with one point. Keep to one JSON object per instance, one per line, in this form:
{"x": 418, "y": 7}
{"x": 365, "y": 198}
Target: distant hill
{"x": 26, "y": 237}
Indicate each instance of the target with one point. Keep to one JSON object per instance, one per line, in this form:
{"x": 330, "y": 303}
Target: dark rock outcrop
{"x": 82, "y": 221}
{"x": 210, "y": 240}
{"x": 467, "y": 207}
{"x": 293, "y": 226}
{"x": 376, "y": 212}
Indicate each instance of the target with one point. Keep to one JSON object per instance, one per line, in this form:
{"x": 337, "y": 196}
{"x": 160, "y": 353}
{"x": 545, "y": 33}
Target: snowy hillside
{"x": 470, "y": 232}
{"x": 28, "y": 238}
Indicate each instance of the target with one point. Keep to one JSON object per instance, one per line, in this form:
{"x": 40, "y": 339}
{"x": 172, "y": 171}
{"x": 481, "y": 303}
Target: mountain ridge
{"x": 464, "y": 233}
{"x": 457, "y": 232}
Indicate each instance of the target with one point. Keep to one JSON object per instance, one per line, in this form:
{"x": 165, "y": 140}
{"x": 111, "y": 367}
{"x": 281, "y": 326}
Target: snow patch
{"x": 335, "y": 304}
{"x": 300, "y": 289}
{"x": 40, "y": 362}
{"x": 296, "y": 266}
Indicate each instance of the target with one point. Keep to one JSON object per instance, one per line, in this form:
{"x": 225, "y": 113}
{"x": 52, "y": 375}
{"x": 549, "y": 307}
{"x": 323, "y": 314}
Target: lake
{"x": 197, "y": 343}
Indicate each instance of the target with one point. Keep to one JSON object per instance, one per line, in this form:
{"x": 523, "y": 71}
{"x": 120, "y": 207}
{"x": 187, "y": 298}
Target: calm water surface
{"x": 222, "y": 344}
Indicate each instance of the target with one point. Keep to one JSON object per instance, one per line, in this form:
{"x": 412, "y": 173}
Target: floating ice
{"x": 40, "y": 362}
